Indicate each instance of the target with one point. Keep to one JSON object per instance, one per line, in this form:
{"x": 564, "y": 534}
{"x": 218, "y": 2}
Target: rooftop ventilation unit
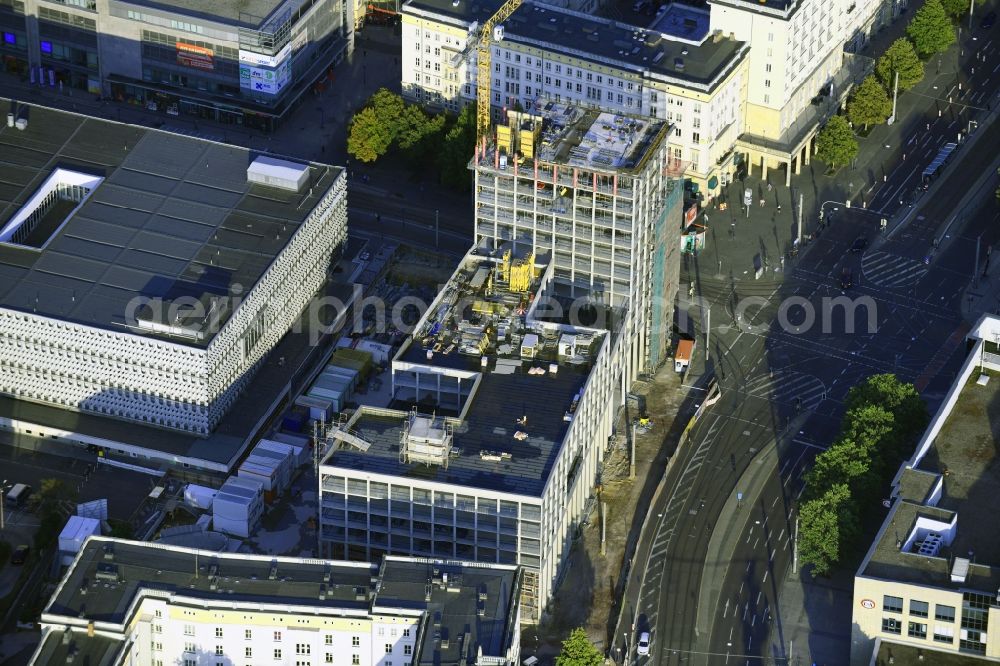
{"x": 959, "y": 570}
{"x": 107, "y": 572}
{"x": 282, "y": 174}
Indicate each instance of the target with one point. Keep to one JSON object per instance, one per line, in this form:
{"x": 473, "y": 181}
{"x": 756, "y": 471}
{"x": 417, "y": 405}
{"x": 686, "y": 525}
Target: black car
{"x": 20, "y": 555}
{"x": 988, "y": 21}
{"x": 859, "y": 244}
{"x": 846, "y": 279}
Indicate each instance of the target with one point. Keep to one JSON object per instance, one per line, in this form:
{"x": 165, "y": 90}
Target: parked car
{"x": 846, "y": 279}
{"x": 859, "y": 244}
{"x": 20, "y": 554}
{"x": 988, "y": 21}
{"x": 747, "y": 197}
{"x": 643, "y": 647}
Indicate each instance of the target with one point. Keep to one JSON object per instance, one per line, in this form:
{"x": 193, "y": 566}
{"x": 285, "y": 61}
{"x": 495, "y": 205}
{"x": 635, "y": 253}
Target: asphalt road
{"x": 784, "y": 377}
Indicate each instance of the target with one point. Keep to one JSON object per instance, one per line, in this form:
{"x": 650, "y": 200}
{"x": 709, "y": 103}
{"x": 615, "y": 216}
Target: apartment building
{"x": 675, "y": 70}
{"x": 127, "y": 603}
{"x": 800, "y": 68}
{"x": 238, "y": 63}
{"x": 506, "y": 395}
{"x": 151, "y": 293}
{"x": 930, "y": 583}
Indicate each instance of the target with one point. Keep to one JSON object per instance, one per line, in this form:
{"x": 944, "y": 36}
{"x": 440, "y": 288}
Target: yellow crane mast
{"x": 485, "y": 75}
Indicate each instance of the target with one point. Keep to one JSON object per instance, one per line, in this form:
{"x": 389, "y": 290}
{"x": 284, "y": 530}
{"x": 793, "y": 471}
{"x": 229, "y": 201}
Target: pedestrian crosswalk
{"x": 788, "y": 386}
{"x": 890, "y": 270}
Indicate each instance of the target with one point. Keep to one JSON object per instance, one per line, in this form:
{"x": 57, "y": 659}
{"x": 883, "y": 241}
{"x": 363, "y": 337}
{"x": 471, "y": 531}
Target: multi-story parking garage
{"x": 145, "y": 276}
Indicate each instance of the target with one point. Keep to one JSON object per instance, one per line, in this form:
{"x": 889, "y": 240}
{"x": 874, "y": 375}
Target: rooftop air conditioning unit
{"x": 282, "y": 174}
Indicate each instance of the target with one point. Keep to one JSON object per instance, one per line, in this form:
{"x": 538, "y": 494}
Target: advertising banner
{"x": 269, "y": 81}
{"x": 198, "y": 57}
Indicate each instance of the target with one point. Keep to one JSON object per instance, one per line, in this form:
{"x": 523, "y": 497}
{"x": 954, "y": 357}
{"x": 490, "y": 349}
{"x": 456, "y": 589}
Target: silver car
{"x": 643, "y": 647}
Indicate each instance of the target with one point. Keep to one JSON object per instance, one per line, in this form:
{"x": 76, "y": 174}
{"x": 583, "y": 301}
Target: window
{"x": 218, "y": 632}
{"x": 303, "y": 648}
{"x": 407, "y": 649}
{"x": 388, "y": 648}
{"x": 328, "y": 639}
{"x": 157, "y": 628}
{"x": 944, "y": 613}
{"x": 219, "y": 651}
{"x": 917, "y": 630}
{"x": 892, "y": 604}
{"x": 696, "y": 137}
{"x": 355, "y": 641}
{"x": 248, "y": 634}
{"x": 891, "y": 625}
{"x": 918, "y": 608}
{"x": 277, "y": 653}
{"x": 767, "y": 83}
{"x": 406, "y": 633}
{"x": 189, "y": 647}
{"x": 277, "y": 636}
{"x": 944, "y": 634}
{"x": 189, "y": 630}
{"x": 248, "y": 652}
{"x": 158, "y": 613}
{"x": 767, "y": 68}
{"x": 355, "y": 659}
{"x": 972, "y": 641}
{"x": 329, "y": 658}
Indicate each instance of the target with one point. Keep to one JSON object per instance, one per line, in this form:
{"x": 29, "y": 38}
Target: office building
{"x": 146, "y": 276}
{"x": 801, "y": 67}
{"x": 676, "y": 70}
{"x": 130, "y": 603}
{"x": 506, "y": 395}
{"x": 238, "y": 63}
{"x": 930, "y": 583}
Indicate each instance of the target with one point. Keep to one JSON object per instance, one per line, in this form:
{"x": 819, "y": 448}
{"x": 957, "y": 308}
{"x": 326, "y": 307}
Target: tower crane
{"x": 485, "y": 75}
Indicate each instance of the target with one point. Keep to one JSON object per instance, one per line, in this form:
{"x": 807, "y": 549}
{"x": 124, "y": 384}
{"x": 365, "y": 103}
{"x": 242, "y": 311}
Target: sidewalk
{"x": 740, "y": 240}
{"x": 807, "y": 607}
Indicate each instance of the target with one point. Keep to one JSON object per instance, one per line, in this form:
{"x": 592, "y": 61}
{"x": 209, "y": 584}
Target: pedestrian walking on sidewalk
{"x": 779, "y": 208}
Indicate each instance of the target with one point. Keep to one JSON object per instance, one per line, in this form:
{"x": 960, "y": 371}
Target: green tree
{"x": 577, "y": 650}
{"x": 958, "y": 8}
{"x": 844, "y": 462}
{"x": 901, "y": 400}
{"x": 931, "y": 29}
{"x": 827, "y": 529}
{"x": 870, "y": 104}
{"x": 388, "y": 108}
{"x": 419, "y": 134}
{"x": 900, "y": 58}
{"x": 457, "y": 149}
{"x": 368, "y": 139}
{"x": 835, "y": 143}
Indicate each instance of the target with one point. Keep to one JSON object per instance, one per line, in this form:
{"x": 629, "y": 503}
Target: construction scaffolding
{"x": 426, "y": 439}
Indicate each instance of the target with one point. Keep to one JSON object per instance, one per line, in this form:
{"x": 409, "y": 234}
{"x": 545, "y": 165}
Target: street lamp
{"x": 3, "y": 488}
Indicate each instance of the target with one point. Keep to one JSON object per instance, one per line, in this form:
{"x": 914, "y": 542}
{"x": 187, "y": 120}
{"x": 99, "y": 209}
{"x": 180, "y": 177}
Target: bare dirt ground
{"x": 585, "y": 596}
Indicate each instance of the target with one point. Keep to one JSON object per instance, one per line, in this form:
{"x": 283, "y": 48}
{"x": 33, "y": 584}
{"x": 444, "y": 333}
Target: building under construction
{"x": 506, "y": 395}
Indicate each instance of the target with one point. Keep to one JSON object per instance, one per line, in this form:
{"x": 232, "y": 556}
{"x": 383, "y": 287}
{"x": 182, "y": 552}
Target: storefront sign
{"x": 868, "y": 603}
{"x": 198, "y": 57}
{"x": 264, "y": 60}
{"x": 264, "y": 79}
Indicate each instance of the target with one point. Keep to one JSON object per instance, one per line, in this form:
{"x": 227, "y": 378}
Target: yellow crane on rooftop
{"x": 484, "y": 76}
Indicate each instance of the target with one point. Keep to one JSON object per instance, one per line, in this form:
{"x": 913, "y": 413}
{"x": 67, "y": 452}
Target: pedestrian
{"x": 762, "y": 203}
{"x": 779, "y": 208}
{"x": 769, "y": 187}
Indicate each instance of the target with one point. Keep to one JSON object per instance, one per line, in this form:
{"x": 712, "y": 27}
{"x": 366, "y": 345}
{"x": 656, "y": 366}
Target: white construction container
{"x": 238, "y": 506}
{"x": 272, "y": 468}
{"x": 74, "y": 534}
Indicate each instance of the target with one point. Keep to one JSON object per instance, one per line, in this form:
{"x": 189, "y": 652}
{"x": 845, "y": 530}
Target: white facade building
{"x": 131, "y": 603}
{"x": 675, "y": 70}
{"x": 515, "y": 375}
{"x": 154, "y": 294}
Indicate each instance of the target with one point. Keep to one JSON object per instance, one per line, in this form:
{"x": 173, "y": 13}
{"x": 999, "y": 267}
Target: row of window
{"x": 943, "y": 613}
{"x": 277, "y": 635}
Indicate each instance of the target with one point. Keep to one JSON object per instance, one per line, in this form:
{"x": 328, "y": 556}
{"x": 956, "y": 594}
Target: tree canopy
{"x": 870, "y": 104}
{"x": 577, "y": 650}
{"x": 883, "y": 420}
{"x": 835, "y": 143}
{"x": 931, "y": 29}
{"x": 368, "y": 139}
{"x": 958, "y": 8}
{"x": 900, "y": 58}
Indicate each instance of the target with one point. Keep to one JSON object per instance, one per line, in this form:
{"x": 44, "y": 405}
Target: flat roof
{"x": 513, "y": 424}
{"x": 784, "y": 7}
{"x": 174, "y": 217}
{"x": 58, "y": 644}
{"x": 587, "y": 138}
{"x": 964, "y": 454}
{"x": 682, "y": 22}
{"x": 594, "y": 38}
{"x": 247, "y": 13}
{"x": 172, "y": 569}
{"x": 479, "y": 612}
{"x": 470, "y": 606}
